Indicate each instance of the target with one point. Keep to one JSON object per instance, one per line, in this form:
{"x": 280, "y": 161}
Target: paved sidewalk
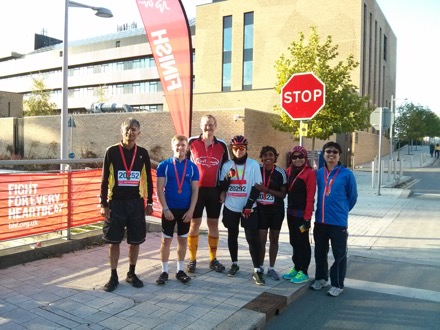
{"x": 65, "y": 292}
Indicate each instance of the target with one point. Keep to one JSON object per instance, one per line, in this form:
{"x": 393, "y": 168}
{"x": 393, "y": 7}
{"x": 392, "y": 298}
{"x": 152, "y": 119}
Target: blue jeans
{"x": 337, "y": 236}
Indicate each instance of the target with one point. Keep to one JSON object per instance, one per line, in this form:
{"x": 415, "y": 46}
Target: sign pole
{"x": 301, "y": 133}
{"x": 391, "y": 128}
{"x": 380, "y": 153}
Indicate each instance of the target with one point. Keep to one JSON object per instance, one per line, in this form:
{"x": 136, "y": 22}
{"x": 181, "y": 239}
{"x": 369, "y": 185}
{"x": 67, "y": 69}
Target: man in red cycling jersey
{"x": 209, "y": 154}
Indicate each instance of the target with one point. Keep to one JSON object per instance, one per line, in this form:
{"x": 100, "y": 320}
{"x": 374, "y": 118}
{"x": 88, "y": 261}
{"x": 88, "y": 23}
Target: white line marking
{"x": 395, "y": 290}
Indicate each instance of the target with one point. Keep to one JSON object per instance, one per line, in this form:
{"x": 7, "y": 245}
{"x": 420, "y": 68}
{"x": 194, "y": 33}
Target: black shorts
{"x": 169, "y": 225}
{"x": 209, "y": 197}
{"x": 128, "y": 214}
{"x": 270, "y": 216}
{"x": 232, "y": 219}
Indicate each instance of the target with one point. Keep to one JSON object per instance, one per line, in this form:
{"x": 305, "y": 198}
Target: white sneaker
{"x": 334, "y": 291}
{"x": 318, "y": 284}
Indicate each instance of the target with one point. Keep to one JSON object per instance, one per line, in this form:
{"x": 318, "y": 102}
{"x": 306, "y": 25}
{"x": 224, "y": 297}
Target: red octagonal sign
{"x": 302, "y": 96}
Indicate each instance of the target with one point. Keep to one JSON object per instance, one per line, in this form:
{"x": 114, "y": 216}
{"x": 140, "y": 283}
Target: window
{"x": 385, "y": 41}
{"x": 118, "y": 44}
{"x": 248, "y": 50}
{"x": 227, "y": 53}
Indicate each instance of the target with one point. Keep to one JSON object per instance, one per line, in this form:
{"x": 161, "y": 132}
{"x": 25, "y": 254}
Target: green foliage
{"x": 414, "y": 122}
{"x": 38, "y": 103}
{"x": 102, "y": 98}
{"x": 345, "y": 110}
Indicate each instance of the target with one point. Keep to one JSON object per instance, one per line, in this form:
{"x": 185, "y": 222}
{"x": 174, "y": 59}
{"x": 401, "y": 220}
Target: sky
{"x": 415, "y": 24}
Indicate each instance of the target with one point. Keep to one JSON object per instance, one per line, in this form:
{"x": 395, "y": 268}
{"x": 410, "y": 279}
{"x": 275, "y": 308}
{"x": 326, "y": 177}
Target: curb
{"x": 256, "y": 313}
{"x": 55, "y": 248}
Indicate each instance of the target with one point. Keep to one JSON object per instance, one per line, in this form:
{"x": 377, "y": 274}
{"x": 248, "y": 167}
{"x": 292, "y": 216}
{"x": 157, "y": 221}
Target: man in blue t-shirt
{"x": 177, "y": 190}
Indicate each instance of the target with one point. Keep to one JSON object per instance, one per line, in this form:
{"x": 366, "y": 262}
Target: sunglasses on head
{"x": 332, "y": 151}
{"x": 297, "y": 157}
{"x": 241, "y": 148}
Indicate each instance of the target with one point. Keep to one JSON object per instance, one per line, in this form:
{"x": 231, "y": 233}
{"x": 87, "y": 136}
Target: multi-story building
{"x": 238, "y": 43}
{"x": 235, "y": 44}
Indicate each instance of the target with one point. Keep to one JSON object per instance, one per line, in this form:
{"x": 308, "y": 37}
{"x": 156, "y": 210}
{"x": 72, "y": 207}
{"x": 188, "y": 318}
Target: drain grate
{"x": 267, "y": 303}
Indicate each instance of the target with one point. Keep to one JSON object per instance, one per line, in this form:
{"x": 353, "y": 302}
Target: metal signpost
{"x": 380, "y": 119}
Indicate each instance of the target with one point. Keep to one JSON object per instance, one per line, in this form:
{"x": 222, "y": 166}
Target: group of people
{"x": 434, "y": 150}
{"x": 201, "y": 176}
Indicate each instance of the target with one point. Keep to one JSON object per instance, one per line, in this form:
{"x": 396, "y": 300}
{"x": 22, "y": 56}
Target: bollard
{"x": 373, "y": 171}
{"x": 389, "y": 170}
{"x": 410, "y": 161}
{"x": 382, "y": 171}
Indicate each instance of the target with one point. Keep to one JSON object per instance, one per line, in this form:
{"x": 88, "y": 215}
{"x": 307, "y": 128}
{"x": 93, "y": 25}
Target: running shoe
{"x": 334, "y": 291}
{"x": 291, "y": 274}
{"x": 162, "y": 278}
{"x": 233, "y": 270}
{"x": 182, "y": 277}
{"x": 191, "y": 267}
{"x": 318, "y": 284}
{"x": 300, "y": 278}
{"x": 134, "y": 280}
{"x": 273, "y": 274}
{"x": 258, "y": 278}
{"x": 216, "y": 265}
{"x": 112, "y": 284}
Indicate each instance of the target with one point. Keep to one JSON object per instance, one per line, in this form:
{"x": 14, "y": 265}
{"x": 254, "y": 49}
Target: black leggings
{"x": 300, "y": 242}
{"x": 253, "y": 239}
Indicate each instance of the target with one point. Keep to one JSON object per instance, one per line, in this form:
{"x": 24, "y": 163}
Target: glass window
{"x": 227, "y": 53}
{"x": 248, "y": 50}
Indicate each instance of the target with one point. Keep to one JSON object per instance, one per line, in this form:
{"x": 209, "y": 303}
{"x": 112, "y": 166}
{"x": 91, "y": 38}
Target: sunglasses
{"x": 332, "y": 151}
{"x": 241, "y": 148}
{"x": 297, "y": 157}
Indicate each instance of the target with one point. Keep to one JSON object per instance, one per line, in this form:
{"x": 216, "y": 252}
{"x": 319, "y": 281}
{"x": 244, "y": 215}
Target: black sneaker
{"x": 216, "y": 265}
{"x": 182, "y": 277}
{"x": 233, "y": 270}
{"x": 191, "y": 267}
{"x": 258, "y": 278}
{"x": 162, "y": 278}
{"x": 111, "y": 285}
{"x": 134, "y": 280}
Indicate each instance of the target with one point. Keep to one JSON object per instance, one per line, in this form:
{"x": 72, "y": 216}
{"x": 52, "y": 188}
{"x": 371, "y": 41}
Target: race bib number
{"x": 266, "y": 198}
{"x": 131, "y": 181}
{"x": 237, "y": 190}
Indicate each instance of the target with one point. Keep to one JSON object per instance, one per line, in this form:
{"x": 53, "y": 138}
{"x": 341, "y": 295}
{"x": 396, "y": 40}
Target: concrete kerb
{"x": 56, "y": 247}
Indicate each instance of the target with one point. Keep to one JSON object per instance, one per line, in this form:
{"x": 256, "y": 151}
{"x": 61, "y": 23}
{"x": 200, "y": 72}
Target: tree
{"x": 38, "y": 103}
{"x": 414, "y": 122}
{"x": 345, "y": 110}
{"x": 101, "y": 94}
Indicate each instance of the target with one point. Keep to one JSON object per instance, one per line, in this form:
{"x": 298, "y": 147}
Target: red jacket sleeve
{"x": 311, "y": 190}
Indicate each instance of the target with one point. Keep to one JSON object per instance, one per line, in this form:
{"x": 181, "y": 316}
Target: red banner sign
{"x": 167, "y": 30}
{"x": 33, "y": 204}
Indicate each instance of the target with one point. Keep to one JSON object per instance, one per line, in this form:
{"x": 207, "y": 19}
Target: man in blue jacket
{"x": 337, "y": 195}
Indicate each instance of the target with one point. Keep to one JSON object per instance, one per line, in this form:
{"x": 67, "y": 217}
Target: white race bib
{"x": 132, "y": 181}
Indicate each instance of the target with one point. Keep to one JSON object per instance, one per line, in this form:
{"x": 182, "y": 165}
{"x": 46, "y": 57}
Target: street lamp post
{"x": 100, "y": 12}
{"x": 392, "y": 127}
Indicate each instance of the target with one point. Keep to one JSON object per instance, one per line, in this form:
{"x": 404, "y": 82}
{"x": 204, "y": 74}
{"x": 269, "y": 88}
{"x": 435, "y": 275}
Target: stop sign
{"x": 302, "y": 96}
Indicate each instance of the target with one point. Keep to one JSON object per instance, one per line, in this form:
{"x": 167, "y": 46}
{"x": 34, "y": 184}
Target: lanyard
{"x": 329, "y": 184}
{"x": 128, "y": 170}
{"x": 291, "y": 185}
{"x": 264, "y": 178}
{"x": 179, "y": 181}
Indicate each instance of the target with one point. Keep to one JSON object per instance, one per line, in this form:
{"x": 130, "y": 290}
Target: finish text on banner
{"x": 167, "y": 30}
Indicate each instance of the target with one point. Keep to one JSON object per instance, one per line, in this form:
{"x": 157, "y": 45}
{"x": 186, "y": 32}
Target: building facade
{"x": 238, "y": 43}
{"x": 235, "y": 44}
